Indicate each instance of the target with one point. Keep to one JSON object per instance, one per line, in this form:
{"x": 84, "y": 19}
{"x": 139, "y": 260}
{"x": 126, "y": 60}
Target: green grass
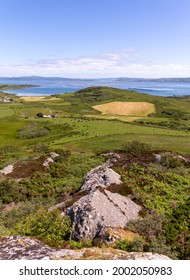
{"x": 5, "y": 111}
{"x": 75, "y": 126}
{"x": 158, "y": 142}
{"x": 97, "y": 135}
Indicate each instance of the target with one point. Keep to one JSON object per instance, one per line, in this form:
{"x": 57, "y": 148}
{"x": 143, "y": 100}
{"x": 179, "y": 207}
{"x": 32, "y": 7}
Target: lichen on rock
{"x": 98, "y": 209}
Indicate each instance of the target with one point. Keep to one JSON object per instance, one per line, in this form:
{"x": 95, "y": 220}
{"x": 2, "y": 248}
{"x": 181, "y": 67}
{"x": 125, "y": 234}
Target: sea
{"x": 45, "y": 86}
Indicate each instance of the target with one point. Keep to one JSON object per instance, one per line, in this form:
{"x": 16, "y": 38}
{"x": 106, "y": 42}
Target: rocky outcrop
{"x": 20, "y": 247}
{"x": 100, "y": 209}
{"x": 101, "y": 176}
{"x": 96, "y": 207}
{"x": 20, "y": 170}
{"x": 23, "y": 248}
{"x": 185, "y": 159}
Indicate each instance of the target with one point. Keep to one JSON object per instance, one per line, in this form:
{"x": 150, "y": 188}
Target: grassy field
{"x": 5, "y": 111}
{"x": 80, "y": 126}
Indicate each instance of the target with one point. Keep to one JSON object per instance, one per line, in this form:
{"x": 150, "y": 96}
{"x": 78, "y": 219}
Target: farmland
{"x": 138, "y": 109}
{"x": 164, "y": 122}
{"x": 80, "y": 126}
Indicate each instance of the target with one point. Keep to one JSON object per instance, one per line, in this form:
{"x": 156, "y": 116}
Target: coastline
{"x": 49, "y": 87}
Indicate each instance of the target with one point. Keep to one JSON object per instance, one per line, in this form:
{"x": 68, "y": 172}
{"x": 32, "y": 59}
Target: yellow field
{"x": 38, "y": 98}
{"x": 139, "y": 109}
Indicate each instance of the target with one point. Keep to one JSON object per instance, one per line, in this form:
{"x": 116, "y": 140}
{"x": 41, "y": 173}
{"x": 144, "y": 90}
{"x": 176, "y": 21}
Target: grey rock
{"x": 98, "y": 209}
{"x": 24, "y": 248}
{"x": 113, "y": 157}
{"x": 7, "y": 170}
{"x": 101, "y": 176}
{"x": 54, "y": 155}
{"x": 50, "y": 159}
{"x": 47, "y": 162}
{"x": 158, "y": 158}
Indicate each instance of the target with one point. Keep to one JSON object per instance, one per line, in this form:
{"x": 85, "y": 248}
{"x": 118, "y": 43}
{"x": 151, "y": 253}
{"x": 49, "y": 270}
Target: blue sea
{"x": 49, "y": 86}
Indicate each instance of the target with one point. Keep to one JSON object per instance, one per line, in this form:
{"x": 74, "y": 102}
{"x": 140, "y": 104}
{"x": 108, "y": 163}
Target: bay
{"x": 55, "y": 85}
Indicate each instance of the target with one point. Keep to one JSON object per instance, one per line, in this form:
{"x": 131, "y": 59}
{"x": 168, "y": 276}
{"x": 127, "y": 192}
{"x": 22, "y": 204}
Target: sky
{"x": 95, "y": 38}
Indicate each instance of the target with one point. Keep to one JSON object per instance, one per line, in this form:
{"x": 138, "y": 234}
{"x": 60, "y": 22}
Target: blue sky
{"x": 95, "y": 38}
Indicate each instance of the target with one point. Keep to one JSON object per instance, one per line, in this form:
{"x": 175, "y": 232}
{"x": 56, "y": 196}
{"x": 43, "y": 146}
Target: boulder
{"x": 101, "y": 176}
{"x": 100, "y": 209}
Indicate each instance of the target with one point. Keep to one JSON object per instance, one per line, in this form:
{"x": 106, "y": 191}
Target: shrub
{"x": 8, "y": 149}
{"x": 40, "y": 148}
{"x": 32, "y": 131}
{"x": 51, "y": 227}
{"x": 177, "y": 228}
{"x": 136, "y": 245}
{"x": 39, "y": 115}
{"x": 158, "y": 245}
{"x": 171, "y": 162}
{"x": 149, "y": 227}
{"x": 136, "y": 147}
{"x": 122, "y": 245}
{"x": 72, "y": 244}
{"x": 9, "y": 191}
{"x": 156, "y": 190}
{"x": 21, "y": 210}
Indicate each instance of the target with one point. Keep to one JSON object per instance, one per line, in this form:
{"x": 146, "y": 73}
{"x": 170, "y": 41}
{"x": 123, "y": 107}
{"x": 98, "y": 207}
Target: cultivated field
{"x": 126, "y": 108}
{"x": 38, "y": 98}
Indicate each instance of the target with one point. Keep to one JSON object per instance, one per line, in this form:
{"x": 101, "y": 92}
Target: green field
{"x": 6, "y": 111}
{"x": 81, "y": 126}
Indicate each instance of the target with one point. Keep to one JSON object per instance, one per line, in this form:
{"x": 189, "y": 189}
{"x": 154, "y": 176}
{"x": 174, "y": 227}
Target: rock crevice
{"x": 96, "y": 210}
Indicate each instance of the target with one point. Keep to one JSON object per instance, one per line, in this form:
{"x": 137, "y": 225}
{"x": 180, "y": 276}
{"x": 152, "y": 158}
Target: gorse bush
{"x": 40, "y": 148}
{"x": 20, "y": 211}
{"x": 171, "y": 162}
{"x": 32, "y": 131}
{"x": 177, "y": 230}
{"x": 9, "y": 191}
{"x": 50, "y": 227}
{"x": 149, "y": 227}
{"x": 135, "y": 245}
{"x": 8, "y": 149}
{"x": 136, "y": 147}
{"x": 152, "y": 230}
